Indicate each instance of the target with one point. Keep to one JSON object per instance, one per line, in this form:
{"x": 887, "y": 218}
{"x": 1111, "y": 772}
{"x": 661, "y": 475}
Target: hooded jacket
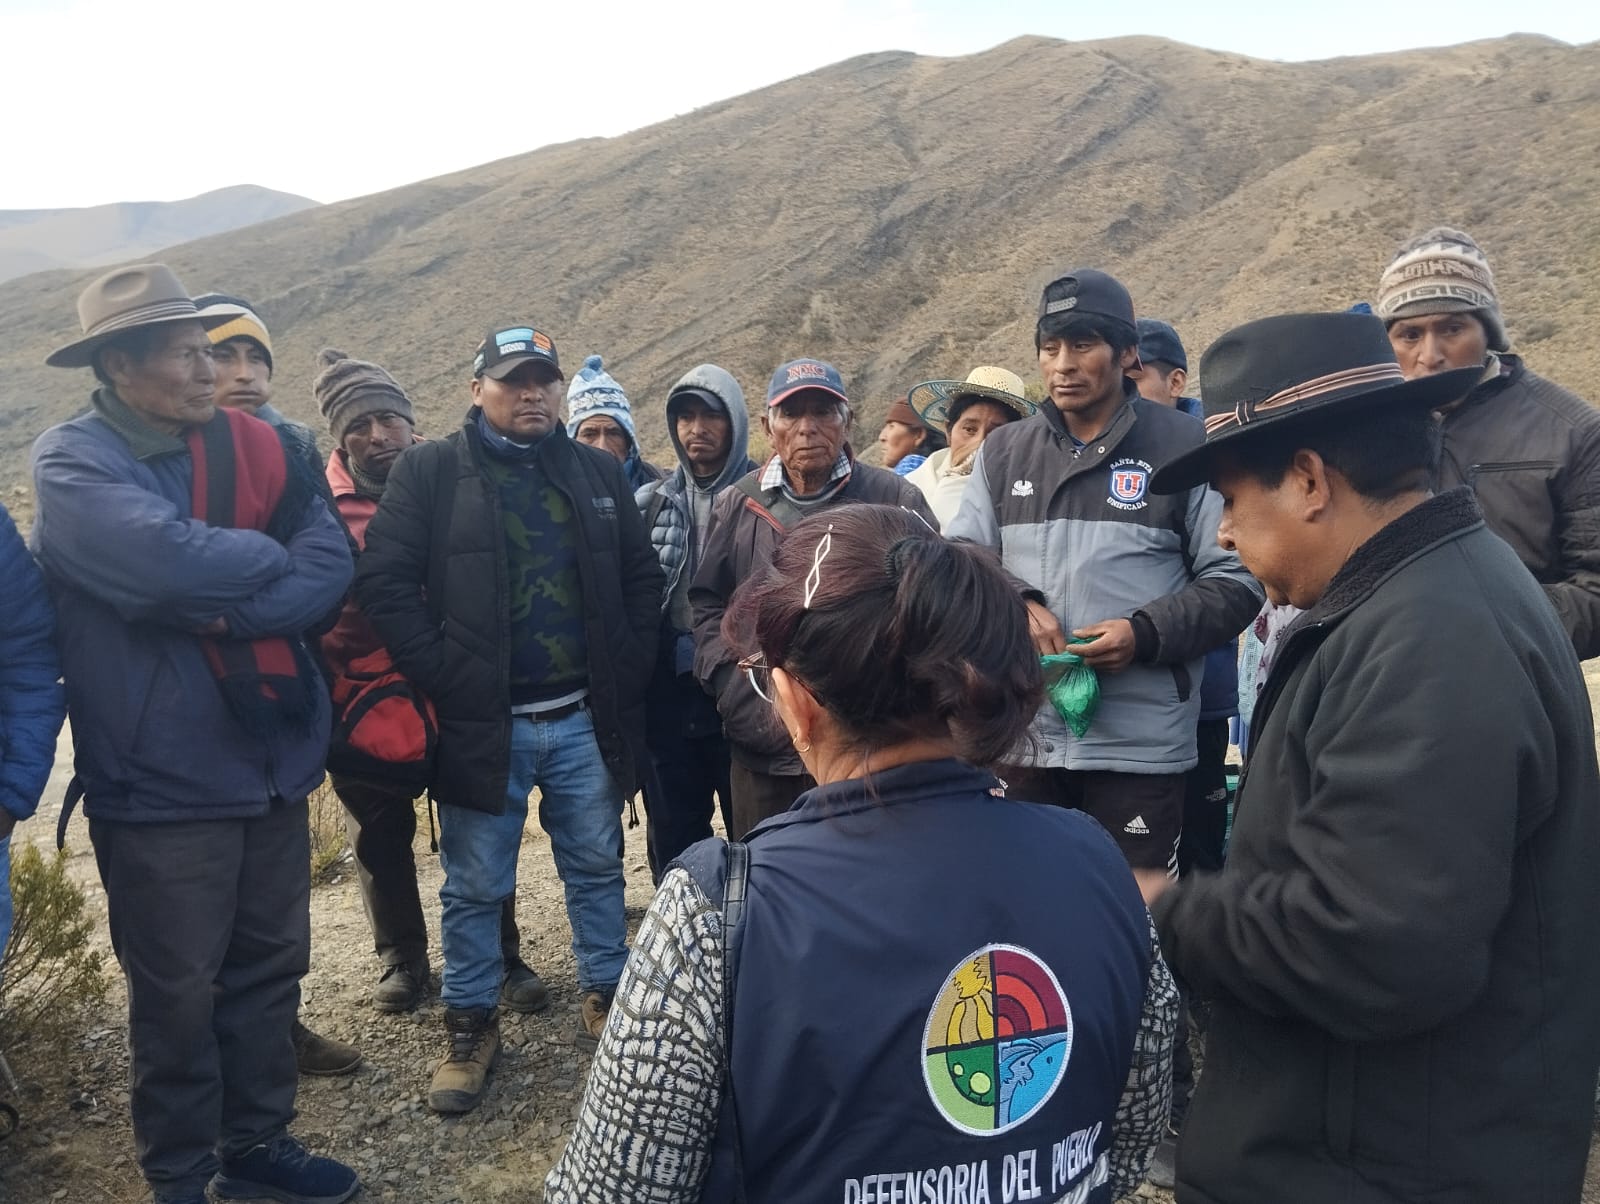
{"x": 1530, "y": 450}
{"x": 668, "y": 504}
{"x": 1401, "y": 946}
{"x": 1084, "y": 535}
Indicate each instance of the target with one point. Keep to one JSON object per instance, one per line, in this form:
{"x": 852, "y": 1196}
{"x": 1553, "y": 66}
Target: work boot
{"x": 322, "y": 1056}
{"x": 458, "y": 1083}
{"x": 592, "y": 1013}
{"x": 523, "y": 991}
{"x": 198, "y": 1196}
{"x": 284, "y": 1170}
{"x": 401, "y": 988}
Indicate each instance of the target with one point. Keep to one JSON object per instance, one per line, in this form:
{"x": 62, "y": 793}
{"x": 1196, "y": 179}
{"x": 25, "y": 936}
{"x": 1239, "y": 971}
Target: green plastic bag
{"x": 1074, "y": 688}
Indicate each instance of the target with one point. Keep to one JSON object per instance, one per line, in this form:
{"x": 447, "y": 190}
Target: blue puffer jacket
{"x": 671, "y": 528}
{"x": 32, "y": 704}
{"x": 134, "y": 575}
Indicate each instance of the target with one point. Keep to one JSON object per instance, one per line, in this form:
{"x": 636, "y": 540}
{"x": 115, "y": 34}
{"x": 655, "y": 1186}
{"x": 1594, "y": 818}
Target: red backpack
{"x": 384, "y": 729}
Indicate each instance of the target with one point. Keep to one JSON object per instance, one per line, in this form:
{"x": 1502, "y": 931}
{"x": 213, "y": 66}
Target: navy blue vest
{"x": 936, "y": 998}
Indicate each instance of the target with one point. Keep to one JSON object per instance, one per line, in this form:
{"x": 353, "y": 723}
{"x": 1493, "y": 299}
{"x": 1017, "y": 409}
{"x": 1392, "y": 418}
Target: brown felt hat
{"x": 144, "y": 294}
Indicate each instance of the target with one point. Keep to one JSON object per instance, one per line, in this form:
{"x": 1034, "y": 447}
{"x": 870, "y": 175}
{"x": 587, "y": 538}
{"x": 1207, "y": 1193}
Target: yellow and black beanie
{"x": 243, "y": 322}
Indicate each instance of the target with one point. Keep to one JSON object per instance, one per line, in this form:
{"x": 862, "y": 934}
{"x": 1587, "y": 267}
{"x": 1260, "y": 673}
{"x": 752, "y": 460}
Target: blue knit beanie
{"x": 593, "y": 391}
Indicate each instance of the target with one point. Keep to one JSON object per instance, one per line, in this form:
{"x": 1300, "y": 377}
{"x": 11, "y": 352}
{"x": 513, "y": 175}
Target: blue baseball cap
{"x": 799, "y": 376}
{"x": 1158, "y": 341}
{"x": 503, "y": 351}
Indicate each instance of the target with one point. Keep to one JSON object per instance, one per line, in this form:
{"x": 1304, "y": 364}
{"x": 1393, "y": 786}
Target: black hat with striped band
{"x": 144, "y": 294}
{"x": 1265, "y": 375}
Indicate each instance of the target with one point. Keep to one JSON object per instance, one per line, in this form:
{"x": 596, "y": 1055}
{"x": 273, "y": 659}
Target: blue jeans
{"x": 580, "y": 807}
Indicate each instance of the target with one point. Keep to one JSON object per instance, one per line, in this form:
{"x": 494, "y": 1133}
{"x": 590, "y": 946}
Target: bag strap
{"x": 733, "y": 912}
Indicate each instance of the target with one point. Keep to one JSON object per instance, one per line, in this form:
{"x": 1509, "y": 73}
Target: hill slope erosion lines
{"x": 898, "y": 214}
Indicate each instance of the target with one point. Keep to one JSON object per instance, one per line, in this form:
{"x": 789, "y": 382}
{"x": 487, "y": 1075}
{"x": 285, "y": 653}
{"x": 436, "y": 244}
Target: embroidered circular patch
{"x": 998, "y": 1038}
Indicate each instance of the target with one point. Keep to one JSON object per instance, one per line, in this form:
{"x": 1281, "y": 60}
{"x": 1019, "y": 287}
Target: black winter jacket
{"x": 433, "y": 581}
{"x": 744, "y": 535}
{"x": 1531, "y": 452}
{"x": 1402, "y": 945}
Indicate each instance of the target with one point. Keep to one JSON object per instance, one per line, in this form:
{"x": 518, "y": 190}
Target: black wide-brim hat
{"x": 1266, "y": 375}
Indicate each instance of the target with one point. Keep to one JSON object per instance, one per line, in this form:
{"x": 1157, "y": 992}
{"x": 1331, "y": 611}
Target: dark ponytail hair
{"x": 905, "y": 635}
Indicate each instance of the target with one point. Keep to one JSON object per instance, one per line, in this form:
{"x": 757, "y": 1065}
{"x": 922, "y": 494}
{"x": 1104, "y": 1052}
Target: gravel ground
{"x": 75, "y": 1144}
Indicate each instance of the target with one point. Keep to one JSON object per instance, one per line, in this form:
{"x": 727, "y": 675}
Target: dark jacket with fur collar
{"x": 1401, "y": 948}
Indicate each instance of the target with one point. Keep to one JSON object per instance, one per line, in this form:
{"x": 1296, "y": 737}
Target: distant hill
{"x": 897, "y": 214}
{"x": 33, "y": 240}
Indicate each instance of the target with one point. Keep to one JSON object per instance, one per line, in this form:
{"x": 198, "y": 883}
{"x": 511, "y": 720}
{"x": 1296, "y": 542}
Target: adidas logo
{"x": 1136, "y": 826}
{"x": 1022, "y": 489}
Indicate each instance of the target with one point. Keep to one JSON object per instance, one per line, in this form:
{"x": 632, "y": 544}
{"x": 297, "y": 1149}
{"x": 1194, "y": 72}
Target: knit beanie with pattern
{"x": 243, "y": 322}
{"x": 1442, "y": 271}
{"x": 347, "y": 389}
{"x": 593, "y": 391}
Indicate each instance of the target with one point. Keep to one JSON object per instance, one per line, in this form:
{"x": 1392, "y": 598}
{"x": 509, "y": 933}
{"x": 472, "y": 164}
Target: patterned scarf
{"x": 242, "y": 480}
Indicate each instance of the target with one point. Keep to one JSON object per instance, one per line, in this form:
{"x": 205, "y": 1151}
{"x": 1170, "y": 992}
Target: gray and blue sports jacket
{"x": 1083, "y": 534}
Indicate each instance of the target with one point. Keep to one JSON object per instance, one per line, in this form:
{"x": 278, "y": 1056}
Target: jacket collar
{"x": 1445, "y": 517}
{"x": 142, "y": 439}
{"x": 919, "y": 782}
{"x": 1450, "y": 514}
{"x": 1121, "y": 422}
{"x": 1500, "y": 370}
{"x": 484, "y": 439}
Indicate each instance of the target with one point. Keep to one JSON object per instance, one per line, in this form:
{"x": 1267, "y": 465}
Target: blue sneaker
{"x": 284, "y": 1170}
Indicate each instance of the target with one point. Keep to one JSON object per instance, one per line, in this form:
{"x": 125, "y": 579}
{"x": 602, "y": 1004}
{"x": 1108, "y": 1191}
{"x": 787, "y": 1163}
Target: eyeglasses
{"x": 759, "y": 673}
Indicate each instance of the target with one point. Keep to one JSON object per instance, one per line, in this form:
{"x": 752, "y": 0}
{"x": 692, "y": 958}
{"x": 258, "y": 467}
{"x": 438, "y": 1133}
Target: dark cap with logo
{"x": 801, "y": 376}
{"x": 1158, "y": 341}
{"x": 1085, "y": 293}
{"x": 502, "y": 352}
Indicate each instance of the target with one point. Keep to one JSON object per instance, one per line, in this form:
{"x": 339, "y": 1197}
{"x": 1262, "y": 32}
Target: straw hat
{"x": 145, "y": 294}
{"x": 933, "y": 398}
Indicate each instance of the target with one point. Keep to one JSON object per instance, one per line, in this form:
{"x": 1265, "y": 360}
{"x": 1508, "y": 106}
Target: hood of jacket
{"x": 720, "y": 384}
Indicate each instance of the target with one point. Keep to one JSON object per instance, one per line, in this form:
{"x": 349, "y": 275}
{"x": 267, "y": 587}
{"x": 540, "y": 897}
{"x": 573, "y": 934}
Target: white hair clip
{"x": 814, "y": 577}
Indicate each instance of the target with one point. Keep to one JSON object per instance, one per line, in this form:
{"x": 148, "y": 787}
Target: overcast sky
{"x": 123, "y": 100}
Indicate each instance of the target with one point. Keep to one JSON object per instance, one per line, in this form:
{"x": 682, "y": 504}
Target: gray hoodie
{"x": 677, "y": 509}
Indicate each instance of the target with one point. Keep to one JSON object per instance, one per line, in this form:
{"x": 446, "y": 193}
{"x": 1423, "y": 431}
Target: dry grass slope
{"x": 897, "y": 214}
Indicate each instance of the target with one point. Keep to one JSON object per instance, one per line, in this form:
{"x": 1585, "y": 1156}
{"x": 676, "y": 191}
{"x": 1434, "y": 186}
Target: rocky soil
{"x": 75, "y": 1143}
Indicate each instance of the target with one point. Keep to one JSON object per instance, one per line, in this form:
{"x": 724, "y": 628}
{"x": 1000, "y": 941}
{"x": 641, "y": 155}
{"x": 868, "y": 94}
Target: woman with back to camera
{"x": 923, "y": 990}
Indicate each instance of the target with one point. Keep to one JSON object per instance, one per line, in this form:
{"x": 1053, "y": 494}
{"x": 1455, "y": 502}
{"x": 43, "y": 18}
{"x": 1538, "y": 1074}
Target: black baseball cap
{"x": 1085, "y": 293}
{"x": 1158, "y": 341}
{"x": 503, "y": 351}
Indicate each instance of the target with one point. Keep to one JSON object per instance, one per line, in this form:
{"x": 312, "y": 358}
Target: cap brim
{"x": 507, "y": 366}
{"x": 704, "y": 396}
{"x": 788, "y": 393}
{"x": 1195, "y": 467}
{"x": 80, "y": 354}
{"x": 932, "y": 400}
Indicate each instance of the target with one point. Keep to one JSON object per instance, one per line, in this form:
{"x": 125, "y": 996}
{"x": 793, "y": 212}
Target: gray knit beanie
{"x": 1442, "y": 271}
{"x": 347, "y": 389}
